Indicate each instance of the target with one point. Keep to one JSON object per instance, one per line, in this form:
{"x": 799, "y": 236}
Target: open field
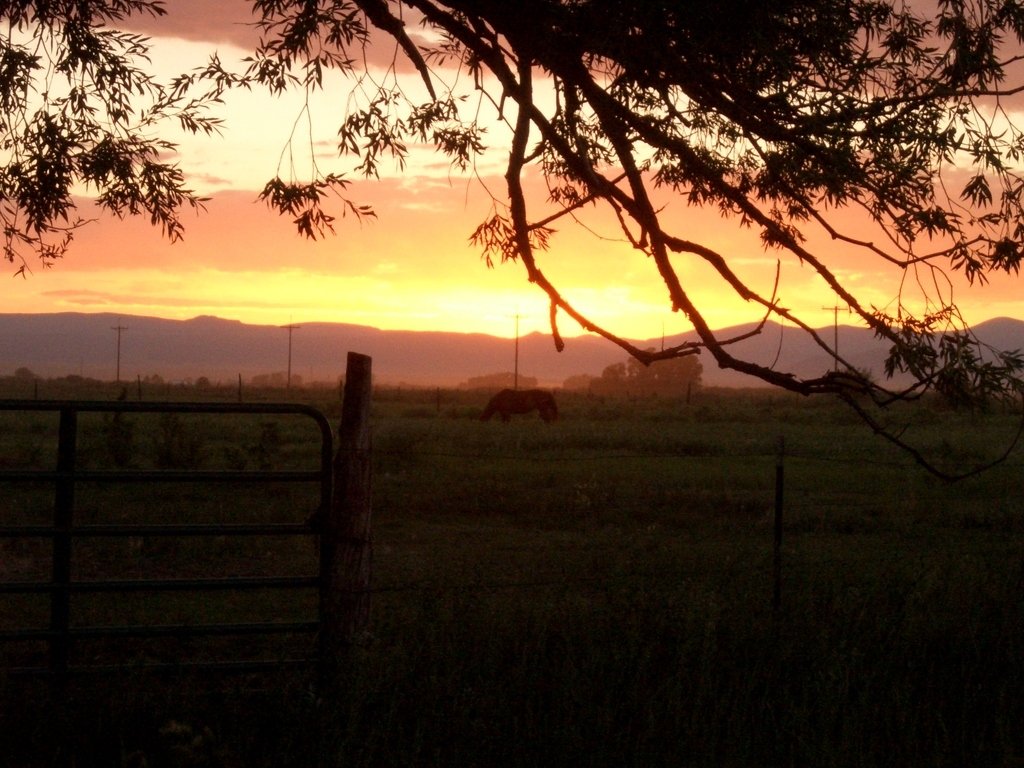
{"x": 597, "y": 591}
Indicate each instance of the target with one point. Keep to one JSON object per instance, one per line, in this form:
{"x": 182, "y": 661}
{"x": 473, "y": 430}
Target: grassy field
{"x": 593, "y": 592}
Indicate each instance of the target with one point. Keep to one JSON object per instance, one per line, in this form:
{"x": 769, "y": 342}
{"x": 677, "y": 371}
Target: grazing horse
{"x": 510, "y": 401}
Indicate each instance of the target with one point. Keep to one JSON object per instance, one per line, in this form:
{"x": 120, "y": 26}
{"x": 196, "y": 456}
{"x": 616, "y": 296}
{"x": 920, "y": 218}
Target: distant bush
{"x": 176, "y": 447}
{"x": 119, "y": 436}
{"x": 265, "y": 451}
{"x": 25, "y": 374}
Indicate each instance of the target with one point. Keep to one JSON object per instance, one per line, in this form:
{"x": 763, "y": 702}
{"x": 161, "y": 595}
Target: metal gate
{"x": 60, "y": 633}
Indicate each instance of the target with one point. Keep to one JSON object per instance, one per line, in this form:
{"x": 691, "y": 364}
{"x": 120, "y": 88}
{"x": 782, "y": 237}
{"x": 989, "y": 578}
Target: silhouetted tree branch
{"x": 78, "y": 110}
{"x": 881, "y": 127}
{"x": 783, "y": 120}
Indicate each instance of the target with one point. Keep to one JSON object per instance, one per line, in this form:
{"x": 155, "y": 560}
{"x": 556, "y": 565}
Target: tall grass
{"x": 597, "y": 592}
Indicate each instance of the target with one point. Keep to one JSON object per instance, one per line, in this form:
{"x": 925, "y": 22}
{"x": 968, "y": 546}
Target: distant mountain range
{"x": 60, "y": 344}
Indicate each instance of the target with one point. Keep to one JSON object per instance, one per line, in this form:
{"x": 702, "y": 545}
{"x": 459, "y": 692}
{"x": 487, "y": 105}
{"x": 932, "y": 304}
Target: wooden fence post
{"x": 345, "y": 541}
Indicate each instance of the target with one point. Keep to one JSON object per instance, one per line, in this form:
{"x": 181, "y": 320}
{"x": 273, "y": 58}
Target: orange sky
{"x": 412, "y": 267}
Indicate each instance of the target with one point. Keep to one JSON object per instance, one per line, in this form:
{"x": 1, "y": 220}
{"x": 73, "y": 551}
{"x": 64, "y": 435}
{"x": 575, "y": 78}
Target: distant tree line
{"x": 275, "y": 379}
{"x": 503, "y": 380}
{"x": 666, "y": 378}
{"x": 675, "y": 377}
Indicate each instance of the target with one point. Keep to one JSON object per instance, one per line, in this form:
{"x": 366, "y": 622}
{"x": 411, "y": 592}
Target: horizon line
{"x": 581, "y": 334}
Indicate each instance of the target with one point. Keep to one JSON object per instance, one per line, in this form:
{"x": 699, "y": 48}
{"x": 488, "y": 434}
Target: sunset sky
{"x": 410, "y": 268}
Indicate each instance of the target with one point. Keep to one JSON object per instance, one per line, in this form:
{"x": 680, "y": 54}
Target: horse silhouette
{"x": 510, "y": 401}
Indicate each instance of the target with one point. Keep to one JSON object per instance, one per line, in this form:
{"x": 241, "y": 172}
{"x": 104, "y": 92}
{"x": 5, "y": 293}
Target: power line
{"x": 835, "y": 332}
{"x": 290, "y": 328}
{"x": 119, "y": 329}
{"x": 515, "y": 374}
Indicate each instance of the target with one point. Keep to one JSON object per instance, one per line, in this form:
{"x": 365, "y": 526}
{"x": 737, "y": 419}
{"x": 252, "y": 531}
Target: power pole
{"x": 290, "y": 328}
{"x": 835, "y": 333}
{"x": 515, "y": 375}
{"x": 119, "y": 329}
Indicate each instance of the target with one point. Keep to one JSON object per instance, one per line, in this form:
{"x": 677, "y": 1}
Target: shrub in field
{"x": 176, "y": 447}
{"x": 265, "y": 451}
{"x": 119, "y": 436}
{"x": 235, "y": 458}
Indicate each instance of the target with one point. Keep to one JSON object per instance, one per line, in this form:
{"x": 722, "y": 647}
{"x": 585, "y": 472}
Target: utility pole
{"x": 835, "y": 333}
{"x": 119, "y": 329}
{"x": 290, "y": 328}
{"x": 515, "y": 375}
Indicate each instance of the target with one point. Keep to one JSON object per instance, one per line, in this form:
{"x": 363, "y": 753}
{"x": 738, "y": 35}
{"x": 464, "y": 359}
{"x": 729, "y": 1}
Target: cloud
{"x": 413, "y": 265}
{"x": 232, "y": 22}
{"x": 144, "y": 298}
{"x": 223, "y": 21}
{"x": 81, "y": 297}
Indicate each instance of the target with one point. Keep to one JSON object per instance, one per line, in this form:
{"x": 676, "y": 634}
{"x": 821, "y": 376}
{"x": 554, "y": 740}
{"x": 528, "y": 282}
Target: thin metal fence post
{"x": 777, "y": 544}
{"x": 63, "y": 512}
{"x": 345, "y": 540}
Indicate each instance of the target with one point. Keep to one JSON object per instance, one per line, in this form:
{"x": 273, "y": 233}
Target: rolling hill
{"x": 86, "y": 344}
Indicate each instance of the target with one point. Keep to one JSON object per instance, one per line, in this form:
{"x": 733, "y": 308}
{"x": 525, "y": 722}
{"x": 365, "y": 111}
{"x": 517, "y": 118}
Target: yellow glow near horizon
{"x": 273, "y": 298}
{"x": 413, "y": 267}
{"x": 129, "y": 270}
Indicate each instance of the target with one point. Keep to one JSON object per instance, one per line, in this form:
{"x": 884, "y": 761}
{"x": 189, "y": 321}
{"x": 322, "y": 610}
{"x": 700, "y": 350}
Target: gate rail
{"x": 64, "y": 531}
